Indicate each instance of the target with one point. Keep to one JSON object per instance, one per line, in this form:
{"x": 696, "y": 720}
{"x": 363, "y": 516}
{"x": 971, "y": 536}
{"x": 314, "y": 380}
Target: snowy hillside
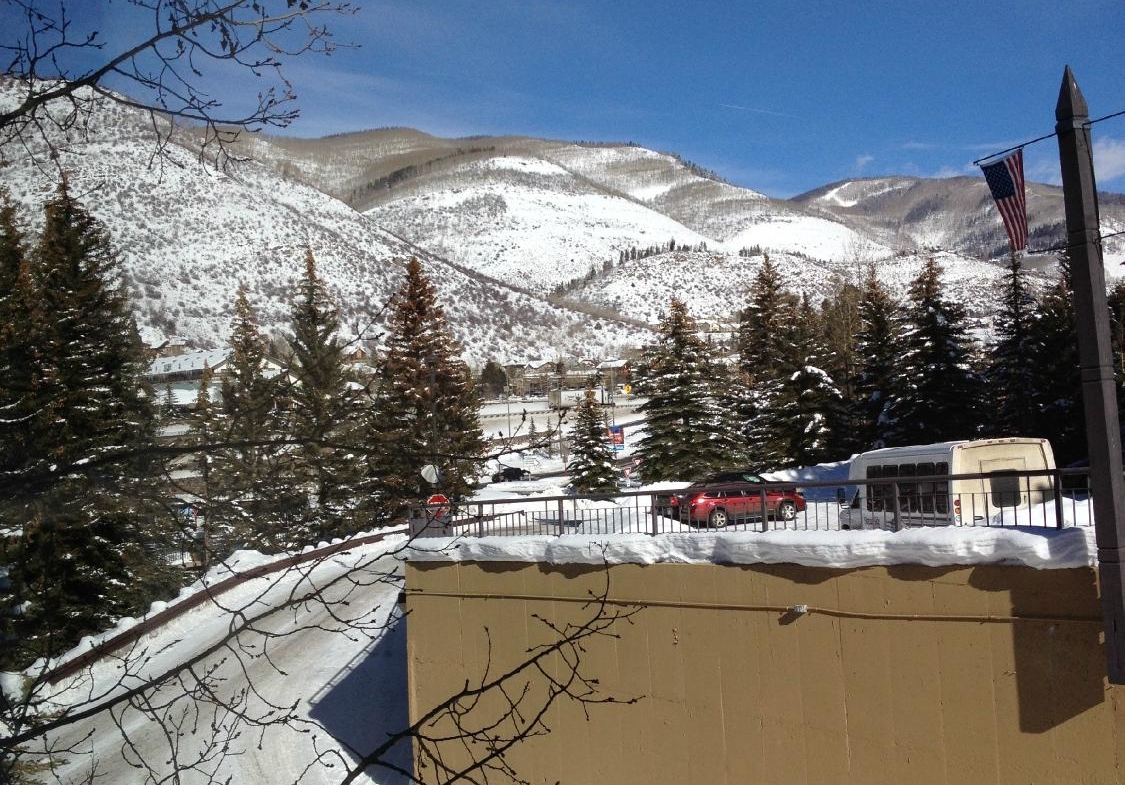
{"x": 714, "y": 285}
{"x": 524, "y": 221}
{"x": 957, "y": 214}
{"x": 188, "y": 235}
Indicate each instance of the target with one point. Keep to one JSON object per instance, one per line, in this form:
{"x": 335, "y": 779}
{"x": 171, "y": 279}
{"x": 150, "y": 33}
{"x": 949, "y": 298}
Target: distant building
{"x": 178, "y": 375}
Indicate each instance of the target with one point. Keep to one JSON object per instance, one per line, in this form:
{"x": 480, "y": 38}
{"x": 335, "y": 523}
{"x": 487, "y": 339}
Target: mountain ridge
{"x": 528, "y": 240}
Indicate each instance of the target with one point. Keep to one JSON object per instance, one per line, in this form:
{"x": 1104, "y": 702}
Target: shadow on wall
{"x": 368, "y": 701}
{"x": 1060, "y": 664}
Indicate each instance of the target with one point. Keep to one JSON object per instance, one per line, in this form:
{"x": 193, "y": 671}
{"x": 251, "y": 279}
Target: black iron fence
{"x": 1053, "y": 499}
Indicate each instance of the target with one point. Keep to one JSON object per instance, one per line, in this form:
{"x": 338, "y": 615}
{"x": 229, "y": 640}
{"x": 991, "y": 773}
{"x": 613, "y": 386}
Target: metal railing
{"x": 1053, "y": 499}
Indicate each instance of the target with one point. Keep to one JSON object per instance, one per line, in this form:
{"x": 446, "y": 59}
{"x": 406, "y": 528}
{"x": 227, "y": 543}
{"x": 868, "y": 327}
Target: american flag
{"x": 1005, "y": 180}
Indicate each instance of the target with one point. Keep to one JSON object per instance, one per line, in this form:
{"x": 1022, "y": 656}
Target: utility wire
{"x": 1067, "y": 246}
{"x": 1086, "y": 124}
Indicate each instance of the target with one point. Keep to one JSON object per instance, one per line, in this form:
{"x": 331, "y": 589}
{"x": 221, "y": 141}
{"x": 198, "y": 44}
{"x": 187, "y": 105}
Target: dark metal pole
{"x": 1103, "y": 434}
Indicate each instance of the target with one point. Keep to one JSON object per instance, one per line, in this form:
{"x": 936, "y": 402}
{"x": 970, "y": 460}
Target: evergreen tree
{"x": 23, "y": 408}
{"x": 591, "y": 465}
{"x": 533, "y": 436}
{"x": 840, "y": 325}
{"x": 88, "y": 552}
{"x": 878, "y": 345}
{"x": 766, "y": 361}
{"x": 426, "y": 407}
{"x": 937, "y": 392}
{"x": 217, "y": 539}
{"x": 811, "y": 403}
{"x": 689, "y": 433}
{"x": 324, "y": 415}
{"x": 1011, "y": 375}
{"x": 761, "y": 323}
{"x": 21, "y": 420}
{"x": 493, "y": 379}
{"x": 1057, "y": 393}
{"x": 260, "y": 507}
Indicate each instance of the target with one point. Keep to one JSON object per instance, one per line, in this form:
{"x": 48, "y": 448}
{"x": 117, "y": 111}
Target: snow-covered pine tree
{"x": 204, "y": 434}
{"x": 21, "y": 414}
{"x": 761, "y": 323}
{"x": 840, "y": 324}
{"x": 689, "y": 433}
{"x": 88, "y": 553}
{"x": 937, "y": 392}
{"x": 591, "y": 464}
{"x": 766, "y": 363}
{"x": 426, "y": 407}
{"x": 1011, "y": 375}
{"x": 878, "y": 347}
{"x": 533, "y": 436}
{"x": 811, "y": 402}
{"x": 1058, "y": 386}
{"x": 324, "y": 416}
{"x": 257, "y": 504}
{"x": 22, "y": 410}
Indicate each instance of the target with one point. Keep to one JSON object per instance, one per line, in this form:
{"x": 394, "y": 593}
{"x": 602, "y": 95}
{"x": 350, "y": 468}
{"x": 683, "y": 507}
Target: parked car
{"x": 731, "y": 497}
{"x": 510, "y": 473}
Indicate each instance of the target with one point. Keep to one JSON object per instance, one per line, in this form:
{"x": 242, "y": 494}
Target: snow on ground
{"x": 1041, "y": 548}
{"x": 348, "y": 689}
{"x": 815, "y": 237}
{"x": 345, "y": 678}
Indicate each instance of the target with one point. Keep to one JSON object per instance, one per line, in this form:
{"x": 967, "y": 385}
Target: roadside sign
{"x": 617, "y": 437}
{"x": 438, "y": 505}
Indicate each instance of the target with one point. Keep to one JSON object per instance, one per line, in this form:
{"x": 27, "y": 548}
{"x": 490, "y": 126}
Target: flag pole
{"x": 1099, "y": 399}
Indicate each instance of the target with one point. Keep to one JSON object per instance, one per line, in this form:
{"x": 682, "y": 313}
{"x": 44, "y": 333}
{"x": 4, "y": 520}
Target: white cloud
{"x": 968, "y": 170}
{"x": 1109, "y": 159}
{"x": 861, "y": 161}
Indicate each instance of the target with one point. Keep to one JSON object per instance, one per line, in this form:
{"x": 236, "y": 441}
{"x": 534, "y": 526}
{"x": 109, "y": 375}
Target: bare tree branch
{"x": 63, "y": 71}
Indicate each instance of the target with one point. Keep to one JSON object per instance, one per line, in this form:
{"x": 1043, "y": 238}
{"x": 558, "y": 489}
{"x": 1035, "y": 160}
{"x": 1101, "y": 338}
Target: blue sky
{"x": 774, "y": 95}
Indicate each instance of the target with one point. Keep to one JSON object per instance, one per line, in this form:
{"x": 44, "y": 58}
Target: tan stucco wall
{"x": 953, "y": 676}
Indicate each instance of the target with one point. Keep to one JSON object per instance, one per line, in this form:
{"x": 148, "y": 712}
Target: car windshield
{"x": 730, "y": 477}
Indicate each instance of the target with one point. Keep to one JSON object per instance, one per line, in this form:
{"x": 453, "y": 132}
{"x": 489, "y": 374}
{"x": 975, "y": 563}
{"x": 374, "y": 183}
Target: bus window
{"x": 879, "y": 495}
{"x": 1004, "y": 490}
{"x": 907, "y": 491}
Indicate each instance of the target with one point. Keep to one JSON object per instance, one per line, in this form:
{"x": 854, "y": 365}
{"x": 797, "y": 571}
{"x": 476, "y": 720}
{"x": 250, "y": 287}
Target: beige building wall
{"x": 951, "y": 676}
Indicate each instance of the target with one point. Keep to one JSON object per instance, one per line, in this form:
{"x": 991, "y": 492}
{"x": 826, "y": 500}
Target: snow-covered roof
{"x": 188, "y": 362}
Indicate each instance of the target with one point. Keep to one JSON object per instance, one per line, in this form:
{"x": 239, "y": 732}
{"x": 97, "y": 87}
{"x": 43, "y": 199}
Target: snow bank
{"x": 1040, "y": 548}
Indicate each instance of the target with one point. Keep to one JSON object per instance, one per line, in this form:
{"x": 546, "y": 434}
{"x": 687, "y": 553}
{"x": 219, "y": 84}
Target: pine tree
{"x": 761, "y": 323}
{"x": 533, "y": 437}
{"x": 840, "y": 321}
{"x": 22, "y": 340}
{"x": 689, "y": 433}
{"x": 591, "y": 465}
{"x": 766, "y": 361}
{"x": 811, "y": 402}
{"x": 1058, "y": 389}
{"x": 21, "y": 420}
{"x": 937, "y": 392}
{"x": 260, "y": 507}
{"x": 426, "y": 408}
{"x": 1011, "y": 376}
{"x": 324, "y": 415}
{"x": 88, "y": 551}
{"x": 217, "y": 540}
{"x": 878, "y": 345}
{"x": 493, "y": 379}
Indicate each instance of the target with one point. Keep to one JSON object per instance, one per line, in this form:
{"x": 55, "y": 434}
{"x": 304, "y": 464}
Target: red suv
{"x": 731, "y": 497}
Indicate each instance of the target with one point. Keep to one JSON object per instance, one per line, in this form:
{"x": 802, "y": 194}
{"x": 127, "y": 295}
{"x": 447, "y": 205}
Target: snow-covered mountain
{"x": 189, "y": 234}
{"x": 529, "y": 241}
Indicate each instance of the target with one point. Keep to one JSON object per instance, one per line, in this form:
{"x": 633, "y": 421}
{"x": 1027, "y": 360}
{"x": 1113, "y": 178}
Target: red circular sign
{"x": 438, "y": 499}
